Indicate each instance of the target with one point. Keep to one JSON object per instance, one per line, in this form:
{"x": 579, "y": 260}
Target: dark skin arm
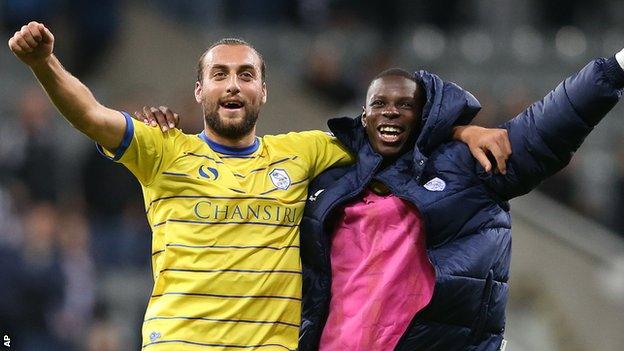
{"x": 486, "y": 144}
{"x": 162, "y": 117}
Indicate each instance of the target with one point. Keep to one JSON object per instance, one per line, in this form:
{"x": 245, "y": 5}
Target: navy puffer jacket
{"x": 465, "y": 210}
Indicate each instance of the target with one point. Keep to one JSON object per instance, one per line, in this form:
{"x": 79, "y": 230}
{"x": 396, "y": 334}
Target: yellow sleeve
{"x": 144, "y": 150}
{"x": 325, "y": 151}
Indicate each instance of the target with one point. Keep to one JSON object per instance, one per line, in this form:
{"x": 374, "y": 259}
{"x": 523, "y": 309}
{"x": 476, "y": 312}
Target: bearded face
{"x": 231, "y": 91}
{"x": 230, "y": 117}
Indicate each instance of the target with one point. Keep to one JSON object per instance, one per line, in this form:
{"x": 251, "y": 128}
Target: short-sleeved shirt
{"x": 225, "y": 245}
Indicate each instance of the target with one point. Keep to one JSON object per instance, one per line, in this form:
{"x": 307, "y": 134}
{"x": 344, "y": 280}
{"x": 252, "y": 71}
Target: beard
{"x": 231, "y": 130}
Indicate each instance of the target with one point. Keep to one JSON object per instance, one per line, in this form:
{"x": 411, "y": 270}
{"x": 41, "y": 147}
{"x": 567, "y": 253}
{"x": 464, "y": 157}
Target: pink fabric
{"x": 381, "y": 275}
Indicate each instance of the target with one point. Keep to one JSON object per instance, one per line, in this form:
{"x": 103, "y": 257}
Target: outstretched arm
{"x": 34, "y": 45}
{"x": 545, "y": 136}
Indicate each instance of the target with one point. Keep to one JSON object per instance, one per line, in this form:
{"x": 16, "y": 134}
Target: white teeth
{"x": 389, "y": 129}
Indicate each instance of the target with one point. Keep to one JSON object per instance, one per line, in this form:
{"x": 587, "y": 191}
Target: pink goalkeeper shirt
{"x": 381, "y": 275}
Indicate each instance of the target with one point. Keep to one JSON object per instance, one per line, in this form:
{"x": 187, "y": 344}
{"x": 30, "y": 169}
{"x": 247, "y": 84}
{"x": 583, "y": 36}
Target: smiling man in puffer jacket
{"x": 409, "y": 249}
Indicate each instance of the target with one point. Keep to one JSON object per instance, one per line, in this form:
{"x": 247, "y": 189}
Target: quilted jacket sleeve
{"x": 545, "y": 136}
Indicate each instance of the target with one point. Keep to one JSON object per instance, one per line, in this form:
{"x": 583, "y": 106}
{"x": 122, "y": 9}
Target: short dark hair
{"x": 396, "y": 72}
{"x": 400, "y": 72}
{"x": 228, "y": 41}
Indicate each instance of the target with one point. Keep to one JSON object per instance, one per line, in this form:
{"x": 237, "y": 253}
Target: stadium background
{"x": 74, "y": 244}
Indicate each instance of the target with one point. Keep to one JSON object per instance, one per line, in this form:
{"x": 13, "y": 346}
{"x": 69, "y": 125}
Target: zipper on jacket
{"x": 435, "y": 271}
{"x": 326, "y": 252}
{"x": 352, "y": 194}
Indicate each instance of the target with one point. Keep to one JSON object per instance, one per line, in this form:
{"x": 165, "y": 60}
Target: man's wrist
{"x": 463, "y": 133}
{"x": 43, "y": 63}
{"x": 457, "y": 132}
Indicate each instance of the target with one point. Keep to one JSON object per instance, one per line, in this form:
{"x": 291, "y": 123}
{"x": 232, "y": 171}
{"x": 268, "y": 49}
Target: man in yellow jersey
{"x": 224, "y": 206}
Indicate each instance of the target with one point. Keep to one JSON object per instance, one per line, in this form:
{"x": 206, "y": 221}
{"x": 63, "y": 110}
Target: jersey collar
{"x": 229, "y": 150}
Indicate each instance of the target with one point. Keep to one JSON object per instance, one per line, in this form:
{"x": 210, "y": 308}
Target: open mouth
{"x": 390, "y": 133}
{"x": 232, "y": 104}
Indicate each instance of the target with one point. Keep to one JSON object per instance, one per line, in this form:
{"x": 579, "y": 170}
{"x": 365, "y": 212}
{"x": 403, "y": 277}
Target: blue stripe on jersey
{"x": 209, "y": 197}
{"x": 186, "y": 270}
{"x": 215, "y": 345}
{"x": 238, "y": 157}
{"x": 204, "y": 156}
{"x": 217, "y": 197}
{"x": 225, "y": 320}
{"x": 262, "y": 168}
{"x": 255, "y": 170}
{"x": 204, "y": 222}
{"x": 269, "y": 191}
{"x": 125, "y": 141}
{"x": 299, "y": 181}
{"x": 279, "y": 161}
{"x": 232, "y": 247}
{"x": 231, "y": 296}
{"x": 229, "y": 150}
{"x": 274, "y": 189}
{"x": 157, "y": 252}
{"x": 237, "y": 191}
{"x": 213, "y": 197}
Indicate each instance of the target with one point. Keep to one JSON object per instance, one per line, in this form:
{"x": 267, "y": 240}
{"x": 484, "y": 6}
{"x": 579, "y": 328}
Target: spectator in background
{"x": 34, "y": 273}
{"x": 103, "y": 333}
{"x": 94, "y": 25}
{"x": 616, "y": 217}
{"x": 37, "y": 171}
{"x": 76, "y": 311}
{"x": 324, "y": 74}
{"x": 114, "y": 208}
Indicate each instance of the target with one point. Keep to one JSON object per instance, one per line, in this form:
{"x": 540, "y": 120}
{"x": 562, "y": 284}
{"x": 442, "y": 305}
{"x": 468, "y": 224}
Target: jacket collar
{"x": 447, "y": 105}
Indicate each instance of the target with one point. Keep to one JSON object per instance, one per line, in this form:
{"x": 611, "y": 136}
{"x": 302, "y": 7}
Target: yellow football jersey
{"x": 225, "y": 224}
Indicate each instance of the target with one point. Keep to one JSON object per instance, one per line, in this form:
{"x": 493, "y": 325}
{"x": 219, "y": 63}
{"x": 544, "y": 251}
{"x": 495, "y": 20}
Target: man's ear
{"x": 198, "y": 91}
{"x": 363, "y": 117}
{"x": 264, "y": 93}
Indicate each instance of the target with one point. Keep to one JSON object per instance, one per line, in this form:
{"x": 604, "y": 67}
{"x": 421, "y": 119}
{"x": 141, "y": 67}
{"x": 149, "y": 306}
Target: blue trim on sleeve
{"x": 125, "y": 141}
{"x": 229, "y": 150}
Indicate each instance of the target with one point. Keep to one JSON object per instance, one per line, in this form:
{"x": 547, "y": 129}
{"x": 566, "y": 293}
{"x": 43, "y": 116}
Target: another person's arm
{"x": 162, "y": 117}
{"x": 34, "y": 45}
{"x": 484, "y": 143}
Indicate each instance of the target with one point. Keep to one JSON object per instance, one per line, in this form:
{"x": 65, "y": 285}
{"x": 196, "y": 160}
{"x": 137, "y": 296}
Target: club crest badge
{"x": 280, "y": 178}
{"x": 435, "y": 184}
{"x": 154, "y": 336}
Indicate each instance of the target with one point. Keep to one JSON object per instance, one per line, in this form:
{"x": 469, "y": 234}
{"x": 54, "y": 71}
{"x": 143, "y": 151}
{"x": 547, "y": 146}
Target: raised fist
{"x": 32, "y": 44}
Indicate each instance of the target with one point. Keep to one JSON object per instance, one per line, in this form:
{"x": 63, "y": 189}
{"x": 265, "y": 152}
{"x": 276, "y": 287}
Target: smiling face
{"x": 392, "y": 114}
{"x": 231, "y": 91}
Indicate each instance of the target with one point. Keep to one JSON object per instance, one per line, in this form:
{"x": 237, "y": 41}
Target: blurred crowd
{"x": 59, "y": 238}
{"x": 72, "y": 225}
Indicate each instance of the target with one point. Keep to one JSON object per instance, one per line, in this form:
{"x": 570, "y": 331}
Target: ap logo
{"x": 280, "y": 178}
